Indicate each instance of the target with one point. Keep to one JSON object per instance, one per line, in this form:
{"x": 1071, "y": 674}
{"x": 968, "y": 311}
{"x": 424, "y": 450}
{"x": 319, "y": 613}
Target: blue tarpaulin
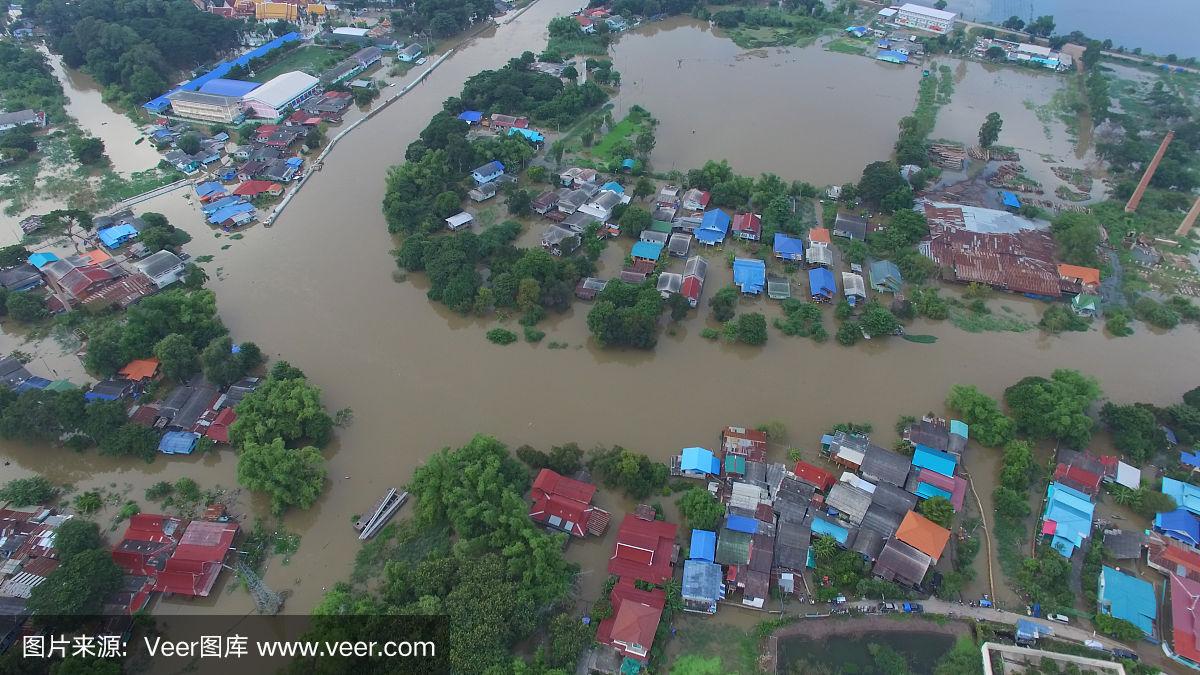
{"x": 742, "y": 524}
{"x": 628, "y": 163}
{"x": 178, "y": 443}
{"x": 32, "y": 383}
{"x": 1010, "y": 200}
{"x": 749, "y": 274}
{"x": 471, "y": 116}
{"x": 820, "y": 281}
{"x": 1179, "y": 524}
{"x": 704, "y": 545}
{"x": 529, "y": 134}
{"x": 113, "y": 237}
{"x": 1189, "y": 458}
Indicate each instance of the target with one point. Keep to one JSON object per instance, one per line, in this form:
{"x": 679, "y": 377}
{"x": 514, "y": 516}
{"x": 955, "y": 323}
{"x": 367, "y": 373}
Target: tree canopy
{"x": 701, "y": 509}
{"x": 989, "y": 426}
{"x": 289, "y": 409}
{"x": 289, "y": 476}
{"x": 28, "y": 491}
{"x": 1054, "y": 408}
{"x": 78, "y": 586}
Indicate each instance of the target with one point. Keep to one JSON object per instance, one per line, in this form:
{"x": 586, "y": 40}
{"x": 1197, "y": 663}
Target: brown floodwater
{"x": 778, "y": 110}
{"x": 86, "y": 105}
{"x": 318, "y": 290}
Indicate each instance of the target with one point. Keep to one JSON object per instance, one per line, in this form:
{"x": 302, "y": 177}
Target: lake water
{"x": 1157, "y": 26}
{"x": 318, "y": 290}
{"x": 766, "y": 110}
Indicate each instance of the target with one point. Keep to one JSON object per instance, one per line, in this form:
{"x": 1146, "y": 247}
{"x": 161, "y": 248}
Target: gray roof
{"x": 186, "y": 403}
{"x": 695, "y": 266}
{"x": 792, "y": 538}
{"x": 653, "y": 237}
{"x": 19, "y": 276}
{"x": 18, "y": 117}
{"x": 607, "y": 200}
{"x": 881, "y": 465}
{"x": 574, "y": 199}
{"x": 793, "y": 496}
{"x": 930, "y": 435}
{"x": 881, "y": 520}
{"x": 1124, "y": 545}
{"x": 702, "y": 580}
{"x": 756, "y": 473}
{"x": 851, "y": 502}
{"x": 669, "y": 282}
{"x": 893, "y": 498}
{"x": 13, "y": 372}
{"x": 679, "y": 244}
{"x": 1081, "y": 460}
{"x": 868, "y": 543}
{"x": 202, "y": 98}
{"x": 899, "y": 562}
{"x": 159, "y": 263}
{"x": 850, "y": 224}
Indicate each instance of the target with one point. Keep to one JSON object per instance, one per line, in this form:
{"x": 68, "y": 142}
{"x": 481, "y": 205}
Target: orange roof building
{"x": 819, "y": 235}
{"x": 923, "y": 534}
{"x": 96, "y": 256}
{"x": 138, "y": 370}
{"x": 1084, "y": 276}
{"x": 634, "y": 620}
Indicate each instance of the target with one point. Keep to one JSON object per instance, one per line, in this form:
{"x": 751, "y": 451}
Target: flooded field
{"x": 318, "y": 290}
{"x": 1029, "y": 103}
{"x": 849, "y": 653}
{"x": 765, "y": 110}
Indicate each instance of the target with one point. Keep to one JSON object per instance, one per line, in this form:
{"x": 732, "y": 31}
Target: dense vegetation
{"x": 136, "y": 48}
{"x": 66, "y": 417}
{"x": 440, "y": 18}
{"x": 470, "y": 553}
{"x": 27, "y": 82}
{"x": 626, "y": 315}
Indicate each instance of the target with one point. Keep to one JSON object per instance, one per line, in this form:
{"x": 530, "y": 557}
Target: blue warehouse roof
{"x": 934, "y": 460}
{"x": 162, "y": 102}
{"x": 223, "y": 87}
{"x": 704, "y": 545}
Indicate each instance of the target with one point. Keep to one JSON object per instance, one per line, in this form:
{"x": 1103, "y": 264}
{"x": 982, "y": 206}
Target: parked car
{"x": 1061, "y": 618}
{"x": 1124, "y": 654}
{"x": 913, "y": 608}
{"x": 887, "y": 607}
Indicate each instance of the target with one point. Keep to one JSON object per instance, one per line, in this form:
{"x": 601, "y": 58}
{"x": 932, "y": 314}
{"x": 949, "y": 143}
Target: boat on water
{"x": 374, "y": 520}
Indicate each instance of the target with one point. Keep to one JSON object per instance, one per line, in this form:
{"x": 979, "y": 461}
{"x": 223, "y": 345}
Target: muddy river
{"x": 318, "y": 289}
{"x": 764, "y": 110}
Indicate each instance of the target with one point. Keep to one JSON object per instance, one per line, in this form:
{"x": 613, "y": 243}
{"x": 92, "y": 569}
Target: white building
{"x": 925, "y": 18}
{"x": 206, "y": 107}
{"x": 351, "y": 32}
{"x": 163, "y": 268}
{"x": 281, "y": 93}
{"x": 22, "y": 118}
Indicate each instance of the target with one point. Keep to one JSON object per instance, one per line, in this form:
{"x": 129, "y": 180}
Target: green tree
{"x": 28, "y": 491}
{"x": 752, "y": 329}
{"x": 990, "y": 130}
{"x": 189, "y": 143}
{"x": 11, "y": 256}
{"x": 701, "y": 510}
{"x": 177, "y": 356}
{"x": 87, "y": 150}
{"x": 289, "y": 409}
{"x": 571, "y": 73}
{"x": 131, "y": 440}
{"x": 724, "y": 303}
{"x": 1135, "y": 430}
{"x": 1010, "y": 503}
{"x": 1042, "y": 26}
{"x": 1054, "y": 408}
{"x": 849, "y": 333}
{"x": 78, "y": 586}
{"x": 568, "y": 637}
{"x": 939, "y": 510}
{"x": 290, "y": 477}
{"x": 989, "y": 426}
{"x": 878, "y": 320}
{"x": 77, "y": 536}
{"x": 26, "y": 307}
{"x": 88, "y": 502}
{"x": 879, "y": 179}
{"x": 634, "y": 221}
{"x": 643, "y": 188}
{"x": 1078, "y": 236}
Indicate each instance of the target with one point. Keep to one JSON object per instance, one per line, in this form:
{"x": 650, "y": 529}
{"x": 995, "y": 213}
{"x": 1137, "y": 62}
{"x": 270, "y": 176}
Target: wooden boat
{"x": 380, "y": 514}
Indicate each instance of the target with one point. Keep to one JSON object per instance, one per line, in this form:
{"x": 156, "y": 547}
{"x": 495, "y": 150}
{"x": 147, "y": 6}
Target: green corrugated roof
{"x": 735, "y": 464}
{"x": 733, "y": 548}
{"x": 60, "y": 385}
{"x": 660, "y": 226}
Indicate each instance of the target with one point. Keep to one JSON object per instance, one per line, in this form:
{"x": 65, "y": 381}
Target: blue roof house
{"x": 934, "y": 460}
{"x": 647, "y": 250}
{"x": 117, "y": 235}
{"x": 789, "y": 249}
{"x": 741, "y": 524}
{"x": 858, "y": 31}
{"x": 699, "y": 463}
{"x": 488, "y": 172}
{"x": 830, "y": 529}
{"x": 209, "y": 189}
{"x": 704, "y": 545}
{"x": 41, "y": 259}
{"x": 613, "y": 186}
{"x": 213, "y": 207}
{"x": 471, "y": 116}
{"x": 891, "y": 56}
{"x": 750, "y": 275}
{"x": 1067, "y": 519}
{"x": 1124, "y": 597}
{"x": 703, "y": 586}
{"x": 821, "y": 285}
{"x": 220, "y": 216}
{"x": 1028, "y": 631}
{"x": 960, "y": 428}
{"x": 628, "y": 164}
{"x": 1179, "y": 524}
{"x": 529, "y": 134}
{"x": 1191, "y": 459}
{"x": 1186, "y": 495}
{"x": 178, "y": 443}
{"x": 713, "y": 227}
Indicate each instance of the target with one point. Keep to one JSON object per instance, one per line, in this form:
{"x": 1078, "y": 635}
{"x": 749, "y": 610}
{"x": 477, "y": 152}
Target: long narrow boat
{"x": 380, "y": 514}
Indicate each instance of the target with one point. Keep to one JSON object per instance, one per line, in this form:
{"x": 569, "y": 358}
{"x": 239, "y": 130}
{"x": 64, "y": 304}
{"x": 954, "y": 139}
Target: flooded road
{"x": 86, "y": 105}
{"x": 765, "y": 110}
{"x": 318, "y": 290}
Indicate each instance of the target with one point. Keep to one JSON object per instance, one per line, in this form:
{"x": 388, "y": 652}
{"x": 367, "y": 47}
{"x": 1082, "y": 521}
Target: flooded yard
{"x": 765, "y": 110}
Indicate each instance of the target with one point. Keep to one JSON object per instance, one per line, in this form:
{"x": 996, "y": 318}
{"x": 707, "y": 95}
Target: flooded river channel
{"x": 775, "y": 110}
{"x": 318, "y": 289}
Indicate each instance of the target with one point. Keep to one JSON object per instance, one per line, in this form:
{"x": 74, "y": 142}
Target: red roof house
{"x": 218, "y": 430}
{"x": 1185, "y": 618}
{"x": 264, "y": 131}
{"x": 691, "y": 288}
{"x": 566, "y": 504}
{"x": 179, "y": 557}
{"x": 634, "y": 620}
{"x": 254, "y": 188}
{"x": 748, "y": 442}
{"x": 813, "y": 475}
{"x": 644, "y": 549}
{"x": 1078, "y": 478}
{"x": 747, "y": 226}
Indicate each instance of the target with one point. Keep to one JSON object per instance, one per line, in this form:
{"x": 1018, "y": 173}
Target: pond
{"x": 852, "y": 654}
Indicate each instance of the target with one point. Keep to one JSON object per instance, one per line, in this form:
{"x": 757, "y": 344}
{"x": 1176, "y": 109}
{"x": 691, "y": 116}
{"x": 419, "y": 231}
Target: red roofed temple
{"x": 178, "y": 556}
{"x": 566, "y": 504}
{"x": 644, "y": 550}
{"x": 634, "y": 620}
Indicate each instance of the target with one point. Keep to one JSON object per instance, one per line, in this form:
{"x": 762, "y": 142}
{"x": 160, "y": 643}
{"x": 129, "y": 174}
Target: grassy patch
{"x": 846, "y": 46}
{"x": 982, "y": 322}
{"x": 593, "y": 45}
{"x": 313, "y": 60}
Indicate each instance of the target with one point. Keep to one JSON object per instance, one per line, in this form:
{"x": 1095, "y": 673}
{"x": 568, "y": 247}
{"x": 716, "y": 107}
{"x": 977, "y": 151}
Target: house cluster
{"x": 189, "y": 412}
{"x": 27, "y": 557}
{"x": 379, "y": 36}
{"x": 590, "y": 17}
{"x": 266, "y": 10}
{"x": 583, "y": 198}
{"x": 116, "y": 273}
{"x": 1022, "y": 52}
{"x": 773, "y": 511}
{"x": 1005, "y": 251}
